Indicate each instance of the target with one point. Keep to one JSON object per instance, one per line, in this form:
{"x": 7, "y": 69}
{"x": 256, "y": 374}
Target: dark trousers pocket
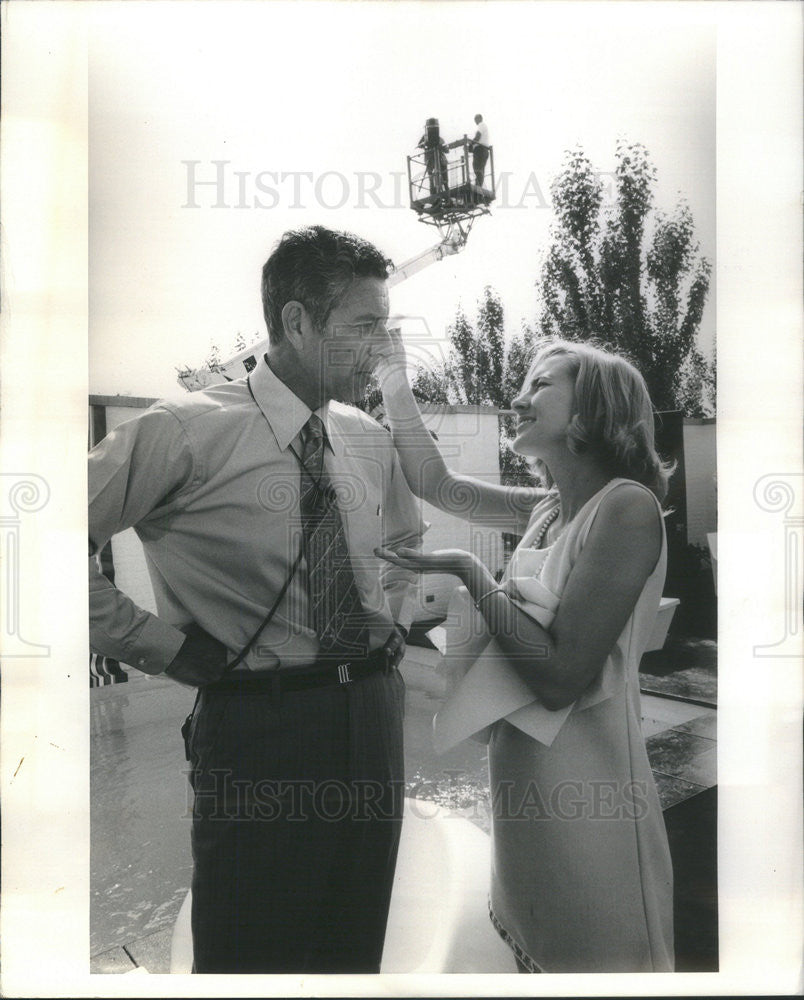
{"x": 200, "y": 729}
{"x": 185, "y": 734}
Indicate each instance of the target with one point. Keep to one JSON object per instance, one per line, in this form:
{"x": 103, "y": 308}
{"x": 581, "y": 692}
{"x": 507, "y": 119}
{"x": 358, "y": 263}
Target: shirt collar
{"x": 282, "y": 408}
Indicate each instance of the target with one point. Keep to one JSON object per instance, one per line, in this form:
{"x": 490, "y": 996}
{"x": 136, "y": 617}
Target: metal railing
{"x": 442, "y": 179}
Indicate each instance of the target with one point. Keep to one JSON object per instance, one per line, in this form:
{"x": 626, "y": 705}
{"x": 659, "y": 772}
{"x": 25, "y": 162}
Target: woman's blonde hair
{"x": 613, "y": 417}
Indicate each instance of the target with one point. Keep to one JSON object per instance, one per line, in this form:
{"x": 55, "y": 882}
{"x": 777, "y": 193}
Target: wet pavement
{"x": 140, "y": 858}
{"x": 141, "y": 801}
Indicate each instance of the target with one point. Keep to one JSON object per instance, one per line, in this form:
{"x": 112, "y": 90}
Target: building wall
{"x": 468, "y": 437}
{"x": 700, "y": 458}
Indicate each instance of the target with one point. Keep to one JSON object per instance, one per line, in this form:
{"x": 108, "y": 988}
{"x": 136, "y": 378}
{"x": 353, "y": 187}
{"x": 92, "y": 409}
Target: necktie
{"x": 336, "y": 613}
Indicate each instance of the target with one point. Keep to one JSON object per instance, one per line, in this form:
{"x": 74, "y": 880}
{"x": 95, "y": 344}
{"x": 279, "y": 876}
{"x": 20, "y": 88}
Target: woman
{"x": 581, "y": 877}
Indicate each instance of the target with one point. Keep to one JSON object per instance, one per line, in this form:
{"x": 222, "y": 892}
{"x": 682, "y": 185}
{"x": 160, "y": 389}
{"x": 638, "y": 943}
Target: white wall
{"x": 468, "y": 437}
{"x": 701, "y": 469}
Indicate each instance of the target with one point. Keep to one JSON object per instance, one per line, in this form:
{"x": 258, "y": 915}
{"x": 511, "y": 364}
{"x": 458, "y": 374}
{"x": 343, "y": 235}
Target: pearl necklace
{"x": 551, "y": 517}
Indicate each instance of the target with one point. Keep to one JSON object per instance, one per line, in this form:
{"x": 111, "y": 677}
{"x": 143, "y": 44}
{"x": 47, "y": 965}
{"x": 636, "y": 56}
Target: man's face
{"x": 344, "y": 355}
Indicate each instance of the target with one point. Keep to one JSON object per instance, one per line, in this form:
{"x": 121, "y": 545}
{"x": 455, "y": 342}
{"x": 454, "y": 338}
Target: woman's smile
{"x": 546, "y": 399}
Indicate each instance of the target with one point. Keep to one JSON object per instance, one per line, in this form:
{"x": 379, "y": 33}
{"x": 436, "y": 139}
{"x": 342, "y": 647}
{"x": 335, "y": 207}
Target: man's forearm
{"x": 120, "y": 629}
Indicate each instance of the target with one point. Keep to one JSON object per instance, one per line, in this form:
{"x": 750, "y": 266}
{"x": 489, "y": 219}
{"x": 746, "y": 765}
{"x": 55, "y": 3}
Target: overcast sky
{"x": 334, "y": 97}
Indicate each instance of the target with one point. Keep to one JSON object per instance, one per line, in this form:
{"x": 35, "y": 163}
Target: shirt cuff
{"x": 156, "y": 646}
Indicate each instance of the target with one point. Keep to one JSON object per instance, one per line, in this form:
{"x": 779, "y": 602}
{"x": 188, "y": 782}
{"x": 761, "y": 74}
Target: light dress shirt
{"x": 210, "y": 485}
{"x": 482, "y": 134}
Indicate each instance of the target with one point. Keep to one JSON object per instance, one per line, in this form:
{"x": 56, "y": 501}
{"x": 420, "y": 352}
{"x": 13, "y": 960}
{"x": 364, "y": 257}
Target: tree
{"x": 514, "y": 469}
{"x": 213, "y": 359}
{"x": 431, "y": 386}
{"x": 630, "y": 276}
{"x": 477, "y": 368}
{"x": 482, "y": 370}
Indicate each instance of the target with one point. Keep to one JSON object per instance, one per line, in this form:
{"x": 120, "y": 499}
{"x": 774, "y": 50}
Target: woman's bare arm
{"x": 503, "y": 507}
{"x": 559, "y": 665}
{"x": 601, "y": 593}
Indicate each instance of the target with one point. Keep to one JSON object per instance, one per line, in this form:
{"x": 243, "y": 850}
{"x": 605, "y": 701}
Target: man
{"x": 480, "y": 150}
{"x": 259, "y": 504}
{"x": 435, "y": 156}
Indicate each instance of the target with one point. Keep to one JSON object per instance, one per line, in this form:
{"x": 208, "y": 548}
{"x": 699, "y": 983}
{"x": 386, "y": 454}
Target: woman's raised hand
{"x": 390, "y": 352}
{"x": 454, "y": 561}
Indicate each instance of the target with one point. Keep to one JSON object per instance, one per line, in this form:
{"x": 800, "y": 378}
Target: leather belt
{"x": 324, "y": 673}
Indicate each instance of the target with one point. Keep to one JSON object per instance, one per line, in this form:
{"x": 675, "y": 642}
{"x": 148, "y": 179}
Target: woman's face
{"x": 544, "y": 408}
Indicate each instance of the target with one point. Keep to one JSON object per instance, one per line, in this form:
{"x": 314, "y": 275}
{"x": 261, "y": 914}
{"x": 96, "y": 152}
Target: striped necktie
{"x": 336, "y": 613}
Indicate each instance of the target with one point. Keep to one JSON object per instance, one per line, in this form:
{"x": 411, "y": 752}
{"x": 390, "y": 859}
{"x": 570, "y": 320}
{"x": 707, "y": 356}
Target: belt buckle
{"x": 344, "y": 677}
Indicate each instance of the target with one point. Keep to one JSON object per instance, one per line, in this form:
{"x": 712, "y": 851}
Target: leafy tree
{"x": 213, "y": 359}
{"x": 464, "y": 373}
{"x": 481, "y": 369}
{"x": 629, "y": 275}
{"x": 514, "y": 469}
{"x": 431, "y": 386}
{"x": 696, "y": 391}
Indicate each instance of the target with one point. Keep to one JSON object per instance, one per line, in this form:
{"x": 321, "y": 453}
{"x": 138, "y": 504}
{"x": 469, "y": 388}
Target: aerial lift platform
{"x": 443, "y": 193}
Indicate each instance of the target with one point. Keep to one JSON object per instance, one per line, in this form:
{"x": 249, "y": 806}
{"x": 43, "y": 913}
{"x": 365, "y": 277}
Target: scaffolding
{"x": 443, "y": 186}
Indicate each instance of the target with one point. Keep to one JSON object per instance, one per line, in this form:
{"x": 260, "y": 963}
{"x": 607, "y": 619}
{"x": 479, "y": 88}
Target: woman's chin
{"x": 521, "y": 445}
{"x": 521, "y": 448}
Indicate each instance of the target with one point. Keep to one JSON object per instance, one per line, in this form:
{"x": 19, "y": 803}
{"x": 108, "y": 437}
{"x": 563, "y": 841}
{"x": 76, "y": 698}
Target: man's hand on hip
{"x": 201, "y": 659}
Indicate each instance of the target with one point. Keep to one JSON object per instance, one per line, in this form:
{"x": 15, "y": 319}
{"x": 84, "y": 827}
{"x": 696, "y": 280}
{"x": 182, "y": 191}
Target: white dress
{"x": 581, "y": 876}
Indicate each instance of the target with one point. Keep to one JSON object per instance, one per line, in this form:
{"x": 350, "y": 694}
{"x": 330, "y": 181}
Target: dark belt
{"x": 324, "y": 673}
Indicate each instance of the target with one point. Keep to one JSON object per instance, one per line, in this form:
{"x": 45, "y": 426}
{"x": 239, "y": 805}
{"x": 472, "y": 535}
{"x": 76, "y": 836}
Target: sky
{"x": 305, "y": 113}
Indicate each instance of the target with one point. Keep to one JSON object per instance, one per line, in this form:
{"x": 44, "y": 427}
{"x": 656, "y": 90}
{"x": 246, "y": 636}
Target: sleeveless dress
{"x": 581, "y": 876}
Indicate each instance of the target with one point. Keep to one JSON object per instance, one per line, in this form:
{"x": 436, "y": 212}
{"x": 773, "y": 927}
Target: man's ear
{"x": 296, "y": 323}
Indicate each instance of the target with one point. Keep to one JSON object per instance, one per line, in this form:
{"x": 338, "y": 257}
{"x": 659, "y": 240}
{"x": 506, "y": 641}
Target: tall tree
{"x": 481, "y": 369}
{"x": 213, "y": 359}
{"x": 475, "y": 370}
{"x": 514, "y": 469}
{"x": 629, "y": 275}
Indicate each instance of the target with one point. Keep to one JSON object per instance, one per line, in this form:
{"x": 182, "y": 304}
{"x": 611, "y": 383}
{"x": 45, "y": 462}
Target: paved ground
{"x": 140, "y": 860}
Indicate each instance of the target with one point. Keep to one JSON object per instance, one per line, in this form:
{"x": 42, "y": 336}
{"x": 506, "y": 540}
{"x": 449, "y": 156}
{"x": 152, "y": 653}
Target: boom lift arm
{"x": 453, "y": 240}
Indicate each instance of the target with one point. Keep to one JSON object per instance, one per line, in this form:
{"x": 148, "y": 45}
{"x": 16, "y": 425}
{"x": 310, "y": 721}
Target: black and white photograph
{"x": 437, "y": 369}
